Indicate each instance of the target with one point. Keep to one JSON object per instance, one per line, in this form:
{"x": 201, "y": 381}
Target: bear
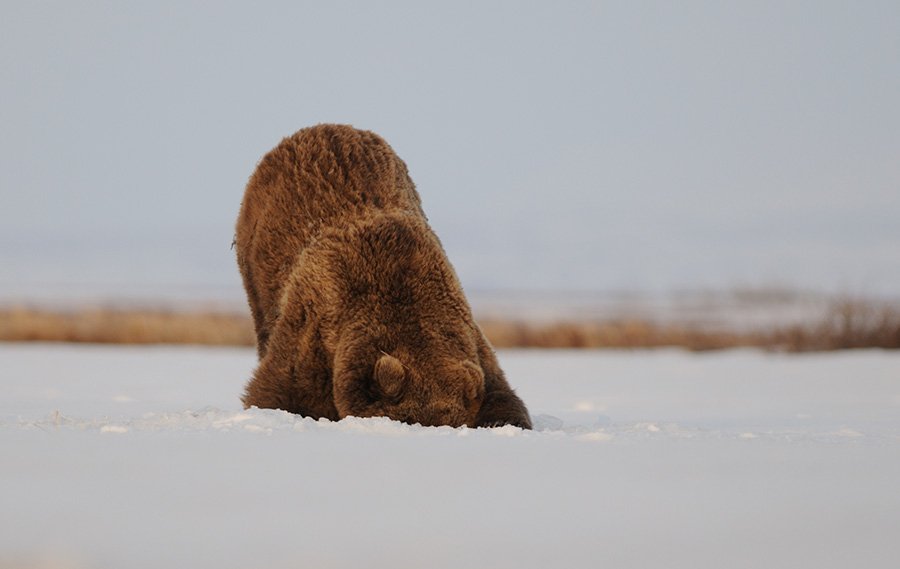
{"x": 356, "y": 307}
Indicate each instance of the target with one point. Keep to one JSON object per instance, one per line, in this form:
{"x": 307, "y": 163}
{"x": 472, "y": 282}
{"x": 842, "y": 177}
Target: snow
{"x": 142, "y": 457}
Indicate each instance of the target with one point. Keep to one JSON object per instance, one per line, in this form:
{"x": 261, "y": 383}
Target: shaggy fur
{"x": 356, "y": 308}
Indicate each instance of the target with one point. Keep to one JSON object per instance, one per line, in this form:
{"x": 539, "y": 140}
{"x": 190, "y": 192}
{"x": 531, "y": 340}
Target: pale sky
{"x": 556, "y": 145}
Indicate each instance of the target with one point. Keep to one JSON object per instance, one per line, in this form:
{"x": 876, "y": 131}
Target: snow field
{"x": 142, "y": 457}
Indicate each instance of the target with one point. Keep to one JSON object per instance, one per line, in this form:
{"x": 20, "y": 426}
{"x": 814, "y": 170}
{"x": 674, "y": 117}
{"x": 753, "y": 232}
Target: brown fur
{"x": 356, "y": 308}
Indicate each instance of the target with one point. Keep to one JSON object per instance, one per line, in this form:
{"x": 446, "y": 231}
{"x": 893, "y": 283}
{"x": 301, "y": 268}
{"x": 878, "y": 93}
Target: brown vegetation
{"x": 848, "y": 324}
{"x": 122, "y": 326}
{"x": 611, "y": 334}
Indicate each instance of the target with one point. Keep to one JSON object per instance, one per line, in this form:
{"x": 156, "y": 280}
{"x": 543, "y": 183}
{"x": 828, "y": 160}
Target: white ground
{"x": 142, "y": 458}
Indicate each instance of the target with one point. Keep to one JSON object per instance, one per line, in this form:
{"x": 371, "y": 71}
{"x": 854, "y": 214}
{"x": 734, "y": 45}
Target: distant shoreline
{"x": 696, "y": 321}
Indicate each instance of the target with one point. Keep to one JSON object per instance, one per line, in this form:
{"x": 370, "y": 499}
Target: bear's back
{"x": 321, "y": 177}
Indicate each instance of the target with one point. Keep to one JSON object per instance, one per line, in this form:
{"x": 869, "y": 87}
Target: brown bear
{"x": 357, "y": 309}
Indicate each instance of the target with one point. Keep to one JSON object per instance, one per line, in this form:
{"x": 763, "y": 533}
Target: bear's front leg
{"x": 299, "y": 383}
{"x": 503, "y": 407}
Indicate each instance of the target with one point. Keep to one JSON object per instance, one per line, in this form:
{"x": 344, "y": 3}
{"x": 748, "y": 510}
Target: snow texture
{"x": 143, "y": 458}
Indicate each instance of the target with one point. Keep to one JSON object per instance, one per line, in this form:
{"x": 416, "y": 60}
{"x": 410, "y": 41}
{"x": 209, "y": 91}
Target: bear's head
{"x": 445, "y": 392}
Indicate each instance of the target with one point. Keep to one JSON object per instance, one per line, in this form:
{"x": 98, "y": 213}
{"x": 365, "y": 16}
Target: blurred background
{"x": 562, "y": 150}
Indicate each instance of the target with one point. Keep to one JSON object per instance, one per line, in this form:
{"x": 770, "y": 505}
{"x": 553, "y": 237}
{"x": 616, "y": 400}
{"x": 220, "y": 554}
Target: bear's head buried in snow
{"x": 357, "y": 310}
{"x": 403, "y": 351}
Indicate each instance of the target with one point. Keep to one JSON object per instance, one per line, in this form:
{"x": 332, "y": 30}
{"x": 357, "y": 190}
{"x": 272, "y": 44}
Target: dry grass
{"x": 612, "y": 334}
{"x": 849, "y": 324}
{"x": 118, "y": 326}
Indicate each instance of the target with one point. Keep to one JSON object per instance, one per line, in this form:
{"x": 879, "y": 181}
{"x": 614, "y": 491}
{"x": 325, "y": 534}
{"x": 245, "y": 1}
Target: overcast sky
{"x": 556, "y": 145}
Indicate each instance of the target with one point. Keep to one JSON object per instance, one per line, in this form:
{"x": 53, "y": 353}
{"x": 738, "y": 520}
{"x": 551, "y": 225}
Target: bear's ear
{"x": 473, "y": 380}
{"x": 390, "y": 375}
